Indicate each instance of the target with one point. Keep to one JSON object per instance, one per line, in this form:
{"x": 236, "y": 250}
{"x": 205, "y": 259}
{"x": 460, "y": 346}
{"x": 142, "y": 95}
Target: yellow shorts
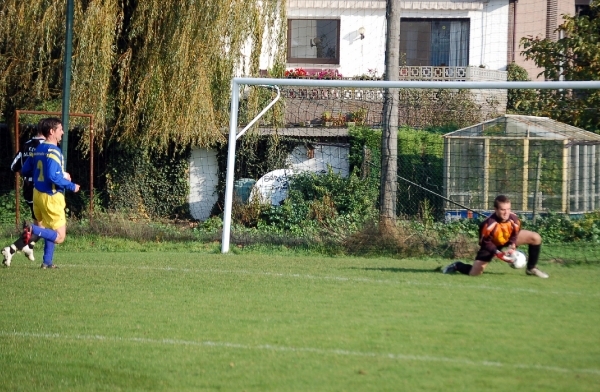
{"x": 49, "y": 210}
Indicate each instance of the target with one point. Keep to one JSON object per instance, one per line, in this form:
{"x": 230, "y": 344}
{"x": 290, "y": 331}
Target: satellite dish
{"x": 272, "y": 187}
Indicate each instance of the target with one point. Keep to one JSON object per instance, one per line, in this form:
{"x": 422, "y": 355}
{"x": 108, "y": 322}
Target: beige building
{"x": 536, "y": 18}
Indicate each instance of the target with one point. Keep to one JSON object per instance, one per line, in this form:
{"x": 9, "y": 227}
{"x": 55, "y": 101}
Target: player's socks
{"x": 13, "y": 249}
{"x": 48, "y": 252}
{"x": 463, "y": 268}
{"x": 47, "y": 234}
{"x": 534, "y": 255}
{"x": 18, "y": 244}
{"x": 33, "y": 240}
{"x": 27, "y": 238}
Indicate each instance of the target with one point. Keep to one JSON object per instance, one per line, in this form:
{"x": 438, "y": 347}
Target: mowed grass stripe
{"x": 269, "y": 347}
{"x": 193, "y": 321}
{"x": 450, "y": 284}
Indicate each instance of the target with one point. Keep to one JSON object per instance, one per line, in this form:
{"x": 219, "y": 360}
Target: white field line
{"x": 284, "y": 349}
{"x": 340, "y": 279}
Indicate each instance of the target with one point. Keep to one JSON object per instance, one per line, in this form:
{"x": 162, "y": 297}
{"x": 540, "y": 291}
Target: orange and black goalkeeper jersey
{"x": 494, "y": 234}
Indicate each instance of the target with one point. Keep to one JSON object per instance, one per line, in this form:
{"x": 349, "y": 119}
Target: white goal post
{"x": 357, "y": 84}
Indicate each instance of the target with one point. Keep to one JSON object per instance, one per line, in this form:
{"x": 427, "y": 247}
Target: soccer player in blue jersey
{"x": 50, "y": 181}
{"x": 18, "y": 161}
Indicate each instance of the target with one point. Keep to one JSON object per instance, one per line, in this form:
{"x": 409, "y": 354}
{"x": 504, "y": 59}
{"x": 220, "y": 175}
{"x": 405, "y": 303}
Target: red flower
{"x": 296, "y": 73}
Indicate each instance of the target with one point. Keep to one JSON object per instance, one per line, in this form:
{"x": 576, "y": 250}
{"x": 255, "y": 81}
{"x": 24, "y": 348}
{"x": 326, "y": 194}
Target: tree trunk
{"x": 389, "y": 136}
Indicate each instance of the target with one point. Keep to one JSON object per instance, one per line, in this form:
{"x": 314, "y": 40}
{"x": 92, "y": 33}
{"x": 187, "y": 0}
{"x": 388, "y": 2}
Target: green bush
{"x": 365, "y": 140}
{"x": 520, "y": 101}
{"x": 7, "y": 208}
{"x": 321, "y": 202}
{"x": 421, "y": 161}
{"x": 560, "y": 228}
{"x": 148, "y": 184}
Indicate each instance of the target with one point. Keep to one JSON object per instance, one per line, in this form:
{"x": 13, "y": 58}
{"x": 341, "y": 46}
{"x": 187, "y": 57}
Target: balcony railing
{"x": 427, "y": 73}
{"x": 418, "y": 73}
{"x": 454, "y": 74}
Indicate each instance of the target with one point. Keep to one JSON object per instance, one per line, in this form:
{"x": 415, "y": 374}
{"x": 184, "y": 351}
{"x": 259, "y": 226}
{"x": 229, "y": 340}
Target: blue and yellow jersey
{"x": 27, "y": 151}
{"x": 46, "y": 168}
{"x": 495, "y": 234}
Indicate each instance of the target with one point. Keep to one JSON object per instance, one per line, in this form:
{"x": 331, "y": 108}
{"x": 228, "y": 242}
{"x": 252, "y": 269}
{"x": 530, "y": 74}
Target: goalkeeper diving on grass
{"x": 499, "y": 236}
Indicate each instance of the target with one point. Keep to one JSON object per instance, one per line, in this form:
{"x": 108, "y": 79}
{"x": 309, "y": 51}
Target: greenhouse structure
{"x": 542, "y": 165}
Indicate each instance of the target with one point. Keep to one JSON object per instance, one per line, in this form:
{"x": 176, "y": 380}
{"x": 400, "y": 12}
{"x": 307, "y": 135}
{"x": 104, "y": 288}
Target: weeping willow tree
{"x": 154, "y": 73}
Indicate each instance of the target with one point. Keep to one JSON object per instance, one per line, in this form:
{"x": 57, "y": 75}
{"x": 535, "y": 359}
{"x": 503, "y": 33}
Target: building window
{"x": 436, "y": 42}
{"x": 583, "y": 10}
{"x": 314, "y": 41}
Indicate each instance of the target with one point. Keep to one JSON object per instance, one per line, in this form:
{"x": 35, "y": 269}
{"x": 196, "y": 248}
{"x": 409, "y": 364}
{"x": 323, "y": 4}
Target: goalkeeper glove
{"x": 508, "y": 258}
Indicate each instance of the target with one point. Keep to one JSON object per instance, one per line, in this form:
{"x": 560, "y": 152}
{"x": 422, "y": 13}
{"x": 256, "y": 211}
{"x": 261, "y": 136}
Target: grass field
{"x": 176, "y": 321}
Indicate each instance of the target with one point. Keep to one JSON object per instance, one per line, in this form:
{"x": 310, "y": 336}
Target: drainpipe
{"x": 514, "y": 30}
{"x": 551, "y": 19}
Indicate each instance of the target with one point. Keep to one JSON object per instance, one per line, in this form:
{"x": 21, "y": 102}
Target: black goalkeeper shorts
{"x": 484, "y": 255}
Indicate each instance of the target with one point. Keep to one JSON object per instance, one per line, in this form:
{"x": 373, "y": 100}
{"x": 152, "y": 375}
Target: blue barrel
{"x": 242, "y": 189}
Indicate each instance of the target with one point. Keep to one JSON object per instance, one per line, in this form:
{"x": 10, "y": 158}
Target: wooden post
{"x": 447, "y": 163}
{"x": 486, "y": 173}
{"x": 17, "y": 175}
{"x": 593, "y": 181}
{"x": 525, "y": 188}
{"x": 565, "y": 177}
{"x": 538, "y": 176}
{"x": 575, "y": 189}
{"x": 585, "y": 179}
{"x": 597, "y": 179}
{"x": 366, "y": 163}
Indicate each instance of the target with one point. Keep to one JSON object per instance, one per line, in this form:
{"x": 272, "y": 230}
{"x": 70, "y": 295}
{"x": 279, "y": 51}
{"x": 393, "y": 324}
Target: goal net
{"x": 322, "y": 139}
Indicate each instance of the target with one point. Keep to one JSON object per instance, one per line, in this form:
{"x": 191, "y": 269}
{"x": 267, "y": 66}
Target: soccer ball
{"x": 520, "y": 260}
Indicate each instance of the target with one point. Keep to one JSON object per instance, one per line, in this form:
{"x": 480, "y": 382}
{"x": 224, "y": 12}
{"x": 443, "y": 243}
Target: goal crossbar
{"x": 236, "y": 83}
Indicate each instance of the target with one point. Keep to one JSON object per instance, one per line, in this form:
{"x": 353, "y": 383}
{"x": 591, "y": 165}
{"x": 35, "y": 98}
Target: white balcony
{"x": 450, "y": 74}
